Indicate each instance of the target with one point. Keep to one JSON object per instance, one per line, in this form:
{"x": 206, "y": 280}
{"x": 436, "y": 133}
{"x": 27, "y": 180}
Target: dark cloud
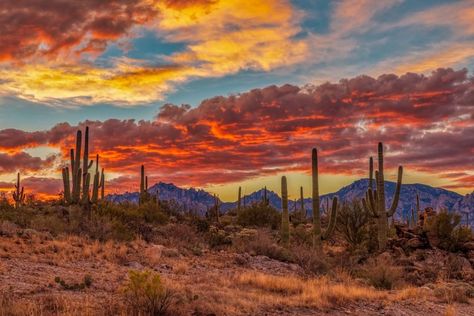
{"x": 48, "y": 28}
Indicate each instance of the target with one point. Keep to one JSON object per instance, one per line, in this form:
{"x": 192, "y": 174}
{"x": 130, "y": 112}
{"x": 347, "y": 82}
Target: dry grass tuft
{"x": 319, "y": 292}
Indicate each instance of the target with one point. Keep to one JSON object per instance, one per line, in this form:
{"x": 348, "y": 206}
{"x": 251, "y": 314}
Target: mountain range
{"x": 199, "y": 200}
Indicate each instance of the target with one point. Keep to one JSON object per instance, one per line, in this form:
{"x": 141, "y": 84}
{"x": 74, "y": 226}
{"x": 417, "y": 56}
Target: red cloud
{"x": 48, "y": 28}
{"x": 427, "y": 122}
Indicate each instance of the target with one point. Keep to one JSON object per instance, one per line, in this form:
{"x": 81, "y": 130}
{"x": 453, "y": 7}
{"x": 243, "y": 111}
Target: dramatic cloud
{"x": 50, "y": 50}
{"x": 59, "y": 28}
{"x": 425, "y": 122}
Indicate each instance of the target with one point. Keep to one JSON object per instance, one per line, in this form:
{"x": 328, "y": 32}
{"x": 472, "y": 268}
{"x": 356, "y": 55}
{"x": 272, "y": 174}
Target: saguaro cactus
{"x": 144, "y": 196}
{"x": 18, "y": 194}
{"x": 318, "y": 234}
{"x": 303, "y": 211}
{"x": 239, "y": 199}
{"x": 78, "y": 175}
{"x": 96, "y": 185}
{"x": 285, "y": 216}
{"x": 374, "y": 201}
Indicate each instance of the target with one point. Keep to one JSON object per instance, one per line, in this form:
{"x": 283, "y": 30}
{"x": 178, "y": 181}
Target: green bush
{"x": 145, "y": 294}
{"x": 259, "y": 215}
{"x": 352, "y": 223}
{"x": 86, "y": 283}
{"x": 444, "y": 231}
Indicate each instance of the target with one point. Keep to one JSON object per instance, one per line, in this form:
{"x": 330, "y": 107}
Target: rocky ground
{"x": 211, "y": 282}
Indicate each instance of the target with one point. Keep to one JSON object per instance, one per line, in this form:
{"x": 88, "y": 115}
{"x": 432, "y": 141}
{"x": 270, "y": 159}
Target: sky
{"x": 218, "y": 94}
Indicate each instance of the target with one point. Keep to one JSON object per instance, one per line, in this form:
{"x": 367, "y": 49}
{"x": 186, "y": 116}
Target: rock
{"x": 242, "y": 259}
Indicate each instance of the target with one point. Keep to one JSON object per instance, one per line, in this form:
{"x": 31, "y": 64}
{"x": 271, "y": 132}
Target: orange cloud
{"x": 220, "y": 37}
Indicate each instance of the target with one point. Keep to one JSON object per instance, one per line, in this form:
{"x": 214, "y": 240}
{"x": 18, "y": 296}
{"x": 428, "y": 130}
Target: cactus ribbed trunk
{"x": 382, "y": 230}
{"x": 285, "y": 216}
{"x": 303, "y": 211}
{"x": 318, "y": 234}
{"x": 18, "y": 194}
{"x": 102, "y": 184}
{"x": 239, "y": 199}
{"x": 317, "y": 244}
{"x": 374, "y": 201}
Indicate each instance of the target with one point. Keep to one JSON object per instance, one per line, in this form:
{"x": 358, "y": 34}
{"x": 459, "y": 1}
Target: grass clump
{"x": 145, "y": 294}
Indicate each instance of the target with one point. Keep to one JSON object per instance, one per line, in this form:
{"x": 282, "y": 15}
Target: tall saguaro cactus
{"x": 78, "y": 175}
{"x": 374, "y": 201}
{"x": 318, "y": 234}
{"x": 303, "y": 211}
{"x": 239, "y": 200}
{"x": 285, "y": 216}
{"x": 19, "y": 193}
{"x": 143, "y": 186}
{"x": 98, "y": 182}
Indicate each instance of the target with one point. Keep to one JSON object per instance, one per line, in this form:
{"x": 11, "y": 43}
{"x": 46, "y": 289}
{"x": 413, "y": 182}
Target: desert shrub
{"x": 444, "y": 231}
{"x": 145, "y": 294}
{"x": 202, "y": 225}
{"x": 87, "y": 282}
{"x": 454, "y": 292}
{"x": 302, "y": 235}
{"x": 259, "y": 215}
{"x": 308, "y": 259}
{"x": 352, "y": 223}
{"x": 260, "y": 242}
{"x": 218, "y": 237}
{"x": 382, "y": 274}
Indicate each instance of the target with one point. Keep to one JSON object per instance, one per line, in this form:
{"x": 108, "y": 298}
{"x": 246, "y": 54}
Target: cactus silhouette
{"x": 318, "y": 234}
{"x": 78, "y": 194}
{"x": 374, "y": 201}
{"x": 19, "y": 193}
{"x": 285, "y": 216}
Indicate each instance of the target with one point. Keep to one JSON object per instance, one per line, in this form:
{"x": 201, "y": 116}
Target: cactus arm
{"x": 396, "y": 197}
{"x": 332, "y": 221}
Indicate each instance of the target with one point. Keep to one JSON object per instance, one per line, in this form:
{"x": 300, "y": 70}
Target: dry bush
{"x": 260, "y": 243}
{"x": 454, "y": 292}
{"x": 146, "y": 294}
{"x": 308, "y": 259}
{"x": 259, "y": 215}
{"x": 444, "y": 231}
{"x": 382, "y": 274}
{"x": 352, "y": 223}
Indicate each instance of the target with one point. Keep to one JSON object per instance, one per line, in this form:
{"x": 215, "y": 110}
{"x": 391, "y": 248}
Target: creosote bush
{"x": 145, "y": 294}
{"x": 444, "y": 231}
{"x": 259, "y": 215}
{"x": 352, "y": 223}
